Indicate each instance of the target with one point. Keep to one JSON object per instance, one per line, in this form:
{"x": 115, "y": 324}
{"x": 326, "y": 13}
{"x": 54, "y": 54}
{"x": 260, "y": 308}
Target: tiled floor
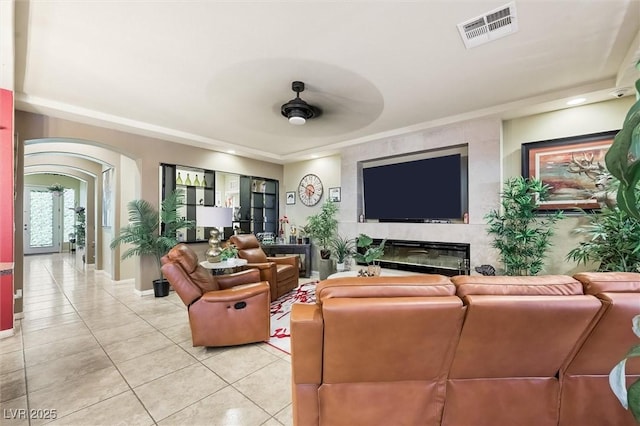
{"x": 97, "y": 353}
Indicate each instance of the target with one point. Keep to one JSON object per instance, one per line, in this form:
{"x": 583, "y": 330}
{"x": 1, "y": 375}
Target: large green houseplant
{"x": 613, "y": 241}
{"x": 521, "y": 235}
{"x": 152, "y": 233}
{"x": 322, "y": 227}
{"x": 623, "y": 162}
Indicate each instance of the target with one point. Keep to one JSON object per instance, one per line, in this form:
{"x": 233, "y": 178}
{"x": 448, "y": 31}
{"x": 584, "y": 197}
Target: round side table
{"x": 220, "y": 268}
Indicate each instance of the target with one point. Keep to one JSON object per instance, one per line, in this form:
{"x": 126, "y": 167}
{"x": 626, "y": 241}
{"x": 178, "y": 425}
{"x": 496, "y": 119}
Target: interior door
{"x": 42, "y": 221}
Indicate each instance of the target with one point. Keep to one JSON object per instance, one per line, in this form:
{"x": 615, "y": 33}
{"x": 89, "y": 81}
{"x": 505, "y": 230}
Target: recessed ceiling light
{"x": 314, "y": 155}
{"x": 576, "y": 101}
{"x": 230, "y": 151}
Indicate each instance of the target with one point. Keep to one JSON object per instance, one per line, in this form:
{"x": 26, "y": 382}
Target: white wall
{"x": 328, "y": 169}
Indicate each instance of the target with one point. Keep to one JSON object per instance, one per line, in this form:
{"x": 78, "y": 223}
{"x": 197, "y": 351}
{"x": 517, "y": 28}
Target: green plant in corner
{"x": 322, "y": 227}
{"x": 623, "y": 162}
{"x": 521, "y": 236}
{"x": 614, "y": 238}
{"x": 629, "y": 398}
{"x": 144, "y": 232}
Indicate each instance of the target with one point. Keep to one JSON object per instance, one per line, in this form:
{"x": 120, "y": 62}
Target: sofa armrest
{"x": 261, "y": 266}
{"x": 237, "y": 293}
{"x": 247, "y": 276}
{"x": 307, "y": 330}
{"x": 285, "y": 260}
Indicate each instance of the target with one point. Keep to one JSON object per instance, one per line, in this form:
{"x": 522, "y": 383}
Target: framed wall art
{"x": 573, "y": 167}
{"x": 291, "y": 197}
{"x": 334, "y": 194}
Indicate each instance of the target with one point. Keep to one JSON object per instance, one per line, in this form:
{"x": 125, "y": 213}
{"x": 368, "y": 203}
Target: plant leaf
{"x": 634, "y": 400}
{"x": 636, "y": 325}
{"x": 618, "y": 384}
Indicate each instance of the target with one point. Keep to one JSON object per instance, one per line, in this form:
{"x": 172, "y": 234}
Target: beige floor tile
{"x": 168, "y": 320}
{"x": 151, "y": 366}
{"x": 84, "y": 362}
{"x": 178, "y": 333}
{"x": 178, "y": 390}
{"x": 44, "y": 353}
{"x": 14, "y": 412}
{"x": 285, "y": 416}
{"x": 226, "y": 407}
{"x": 45, "y": 304}
{"x": 12, "y": 385}
{"x": 201, "y": 352}
{"x": 239, "y": 362}
{"x": 11, "y": 361}
{"x": 269, "y": 387}
{"x": 11, "y": 344}
{"x": 47, "y": 322}
{"x": 271, "y": 422}
{"x": 60, "y": 370}
{"x": 111, "y": 320}
{"x": 74, "y": 395}
{"x": 49, "y": 312}
{"x": 136, "y": 346}
{"x": 38, "y": 298}
{"x": 136, "y": 327}
{"x": 53, "y": 334}
{"x": 123, "y": 409}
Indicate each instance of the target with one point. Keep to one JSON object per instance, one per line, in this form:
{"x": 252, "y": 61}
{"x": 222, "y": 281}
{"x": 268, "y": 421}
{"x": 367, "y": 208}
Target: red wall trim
{"x": 7, "y": 203}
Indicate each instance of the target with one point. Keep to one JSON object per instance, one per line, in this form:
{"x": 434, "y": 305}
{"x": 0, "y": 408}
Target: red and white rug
{"x": 281, "y": 314}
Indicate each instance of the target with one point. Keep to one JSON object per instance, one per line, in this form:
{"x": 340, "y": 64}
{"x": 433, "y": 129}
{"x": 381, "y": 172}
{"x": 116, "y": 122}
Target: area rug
{"x": 281, "y": 314}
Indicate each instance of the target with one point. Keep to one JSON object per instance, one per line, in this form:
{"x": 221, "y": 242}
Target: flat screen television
{"x": 429, "y": 189}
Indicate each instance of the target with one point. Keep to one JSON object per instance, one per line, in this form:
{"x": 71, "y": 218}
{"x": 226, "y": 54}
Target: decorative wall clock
{"x": 310, "y": 190}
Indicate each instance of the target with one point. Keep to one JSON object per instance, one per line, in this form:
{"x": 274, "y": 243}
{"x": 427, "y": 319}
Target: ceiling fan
{"x": 297, "y": 110}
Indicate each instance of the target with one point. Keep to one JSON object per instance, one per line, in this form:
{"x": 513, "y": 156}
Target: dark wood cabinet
{"x": 254, "y": 199}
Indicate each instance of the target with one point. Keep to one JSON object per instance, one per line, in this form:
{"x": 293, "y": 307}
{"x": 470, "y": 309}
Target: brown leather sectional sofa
{"x": 464, "y": 351}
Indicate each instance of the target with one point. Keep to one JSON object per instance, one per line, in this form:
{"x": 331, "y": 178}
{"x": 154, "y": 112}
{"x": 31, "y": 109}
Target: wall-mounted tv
{"x": 405, "y": 189}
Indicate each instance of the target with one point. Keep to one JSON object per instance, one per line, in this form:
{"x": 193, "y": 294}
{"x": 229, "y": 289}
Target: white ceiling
{"x": 214, "y": 74}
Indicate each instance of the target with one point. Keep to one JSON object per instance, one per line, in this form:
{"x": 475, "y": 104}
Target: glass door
{"x": 42, "y": 220}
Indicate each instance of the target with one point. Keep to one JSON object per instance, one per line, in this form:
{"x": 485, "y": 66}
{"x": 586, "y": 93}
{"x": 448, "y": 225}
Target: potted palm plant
{"x": 342, "y": 248}
{"x": 521, "y": 236}
{"x": 153, "y": 233}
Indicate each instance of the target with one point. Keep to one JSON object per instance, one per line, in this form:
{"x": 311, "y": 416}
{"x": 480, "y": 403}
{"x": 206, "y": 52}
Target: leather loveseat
{"x": 463, "y": 351}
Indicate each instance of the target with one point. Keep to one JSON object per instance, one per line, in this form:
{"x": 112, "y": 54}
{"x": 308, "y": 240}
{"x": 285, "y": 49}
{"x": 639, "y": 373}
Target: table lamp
{"x": 214, "y": 217}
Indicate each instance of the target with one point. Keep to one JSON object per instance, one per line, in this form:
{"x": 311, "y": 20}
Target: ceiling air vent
{"x": 490, "y": 26}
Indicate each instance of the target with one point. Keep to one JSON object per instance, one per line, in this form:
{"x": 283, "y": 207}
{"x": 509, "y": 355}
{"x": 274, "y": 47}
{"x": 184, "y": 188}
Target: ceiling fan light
{"x": 297, "y": 120}
{"x": 297, "y": 110}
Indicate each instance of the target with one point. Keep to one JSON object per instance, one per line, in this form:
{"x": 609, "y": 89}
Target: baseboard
{"x": 127, "y": 281}
{"x": 7, "y": 333}
{"x": 143, "y": 292}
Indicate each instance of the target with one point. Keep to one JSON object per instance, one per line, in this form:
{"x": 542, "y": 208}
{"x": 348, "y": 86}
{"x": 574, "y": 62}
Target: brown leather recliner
{"x": 281, "y": 272}
{"x": 587, "y": 399}
{"x": 223, "y": 310}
